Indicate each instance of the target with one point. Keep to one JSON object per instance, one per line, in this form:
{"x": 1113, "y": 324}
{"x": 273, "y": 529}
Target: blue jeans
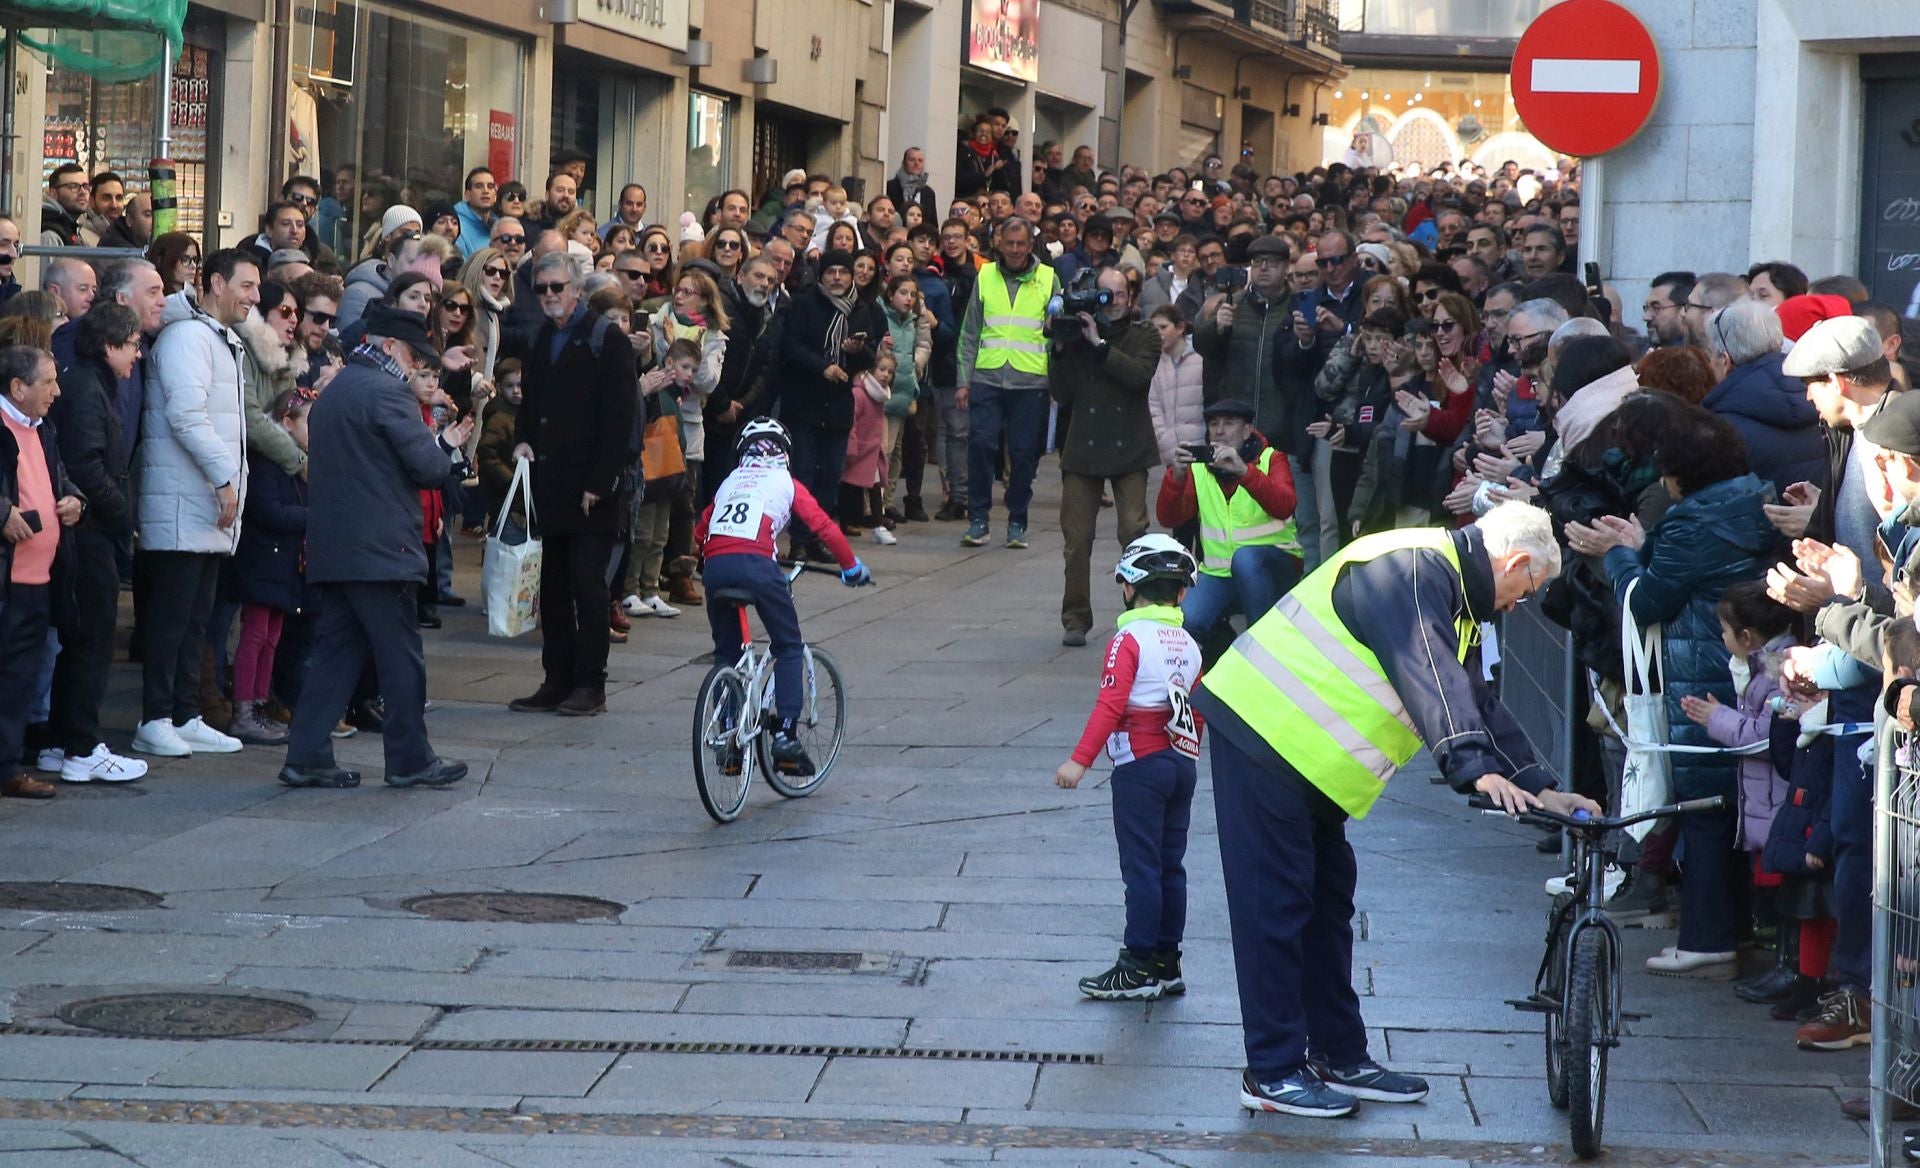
{"x": 1022, "y": 413}
{"x": 1260, "y": 576}
{"x": 773, "y": 600}
{"x": 1152, "y": 810}
{"x": 1850, "y": 812}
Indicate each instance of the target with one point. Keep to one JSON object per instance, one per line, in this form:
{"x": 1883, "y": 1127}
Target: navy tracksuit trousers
{"x": 1290, "y": 878}
{"x": 1152, "y": 809}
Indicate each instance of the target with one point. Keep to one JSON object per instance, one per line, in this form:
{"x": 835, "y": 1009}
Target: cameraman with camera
{"x": 1103, "y": 358}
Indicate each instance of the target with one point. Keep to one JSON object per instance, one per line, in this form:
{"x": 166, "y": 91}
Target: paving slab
{"x": 512, "y": 1073}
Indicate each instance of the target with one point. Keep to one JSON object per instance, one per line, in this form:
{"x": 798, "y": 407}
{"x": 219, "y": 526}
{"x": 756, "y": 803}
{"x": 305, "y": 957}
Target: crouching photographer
{"x": 1101, "y": 364}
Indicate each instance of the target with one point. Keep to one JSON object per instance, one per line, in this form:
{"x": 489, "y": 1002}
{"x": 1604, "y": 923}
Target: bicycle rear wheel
{"x": 822, "y": 727}
{"x": 716, "y": 748}
{"x": 1589, "y": 994}
{"x": 1553, "y": 984}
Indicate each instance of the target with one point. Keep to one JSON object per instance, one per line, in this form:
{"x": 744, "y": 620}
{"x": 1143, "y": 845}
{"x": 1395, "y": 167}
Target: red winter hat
{"x": 1800, "y": 313}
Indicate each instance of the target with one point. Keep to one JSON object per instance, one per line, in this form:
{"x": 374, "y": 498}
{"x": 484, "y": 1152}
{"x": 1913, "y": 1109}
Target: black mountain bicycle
{"x": 1577, "y": 988}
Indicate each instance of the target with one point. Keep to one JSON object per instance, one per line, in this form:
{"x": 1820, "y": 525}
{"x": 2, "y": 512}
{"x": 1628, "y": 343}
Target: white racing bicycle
{"x": 734, "y": 717}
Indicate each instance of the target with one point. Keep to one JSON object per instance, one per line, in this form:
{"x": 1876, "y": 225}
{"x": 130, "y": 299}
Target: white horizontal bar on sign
{"x": 1574, "y": 75}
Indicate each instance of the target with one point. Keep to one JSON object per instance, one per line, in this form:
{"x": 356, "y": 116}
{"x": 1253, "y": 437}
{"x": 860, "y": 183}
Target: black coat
{"x": 747, "y": 350}
{"x": 577, "y": 415}
{"x": 807, "y": 398}
{"x": 368, "y": 458}
{"x": 269, "y": 566}
{"x": 928, "y": 202}
{"x": 97, "y": 453}
{"x": 10, "y": 492}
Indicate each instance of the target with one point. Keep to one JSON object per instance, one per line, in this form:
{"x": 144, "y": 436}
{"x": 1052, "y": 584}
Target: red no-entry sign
{"x": 1585, "y": 77}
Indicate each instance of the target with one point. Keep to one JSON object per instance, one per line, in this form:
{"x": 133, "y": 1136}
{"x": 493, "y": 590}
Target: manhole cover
{"x": 803, "y": 960}
{"x": 51, "y": 896}
{"x": 525, "y": 907}
{"x": 188, "y": 1015}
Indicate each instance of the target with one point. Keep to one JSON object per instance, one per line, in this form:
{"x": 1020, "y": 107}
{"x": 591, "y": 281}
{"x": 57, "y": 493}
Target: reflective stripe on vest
{"x": 1227, "y": 524}
{"x": 1014, "y": 331}
{"x": 1315, "y": 694}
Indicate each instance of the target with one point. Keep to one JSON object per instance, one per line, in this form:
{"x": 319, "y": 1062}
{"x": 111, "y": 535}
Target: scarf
{"x": 910, "y": 186}
{"x": 985, "y": 151}
{"x": 837, "y": 326}
{"x": 378, "y": 356}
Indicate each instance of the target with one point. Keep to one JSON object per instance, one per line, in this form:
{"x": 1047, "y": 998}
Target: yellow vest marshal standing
{"x": 1312, "y": 711}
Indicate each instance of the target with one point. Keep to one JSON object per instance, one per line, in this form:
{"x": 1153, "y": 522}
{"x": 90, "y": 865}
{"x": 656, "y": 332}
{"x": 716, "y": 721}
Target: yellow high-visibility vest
{"x": 1014, "y": 332}
{"x": 1315, "y": 694}
{"x": 1226, "y": 524}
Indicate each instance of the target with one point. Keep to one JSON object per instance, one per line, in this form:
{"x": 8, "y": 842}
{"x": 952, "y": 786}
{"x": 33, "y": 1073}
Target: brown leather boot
{"x": 684, "y": 591}
{"x": 584, "y": 701}
{"x": 215, "y": 709}
{"x": 544, "y": 700}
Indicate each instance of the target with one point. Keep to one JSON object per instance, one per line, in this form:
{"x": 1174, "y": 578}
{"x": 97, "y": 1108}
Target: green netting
{"x": 113, "y": 40}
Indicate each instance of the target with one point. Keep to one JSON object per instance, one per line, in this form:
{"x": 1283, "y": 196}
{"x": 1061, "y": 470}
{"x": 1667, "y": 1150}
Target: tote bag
{"x": 1648, "y": 779}
{"x": 511, "y": 572}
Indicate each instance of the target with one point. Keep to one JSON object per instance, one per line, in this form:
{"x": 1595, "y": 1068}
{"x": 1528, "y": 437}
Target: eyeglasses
{"x": 323, "y": 319}
{"x": 510, "y": 240}
{"x": 1428, "y": 295}
{"x": 1331, "y": 261}
{"x": 70, "y": 186}
{"x": 551, "y": 289}
{"x": 502, "y": 273}
{"x": 1520, "y": 341}
{"x": 285, "y": 311}
{"x": 1690, "y": 306}
{"x": 1653, "y": 306}
{"x": 459, "y": 306}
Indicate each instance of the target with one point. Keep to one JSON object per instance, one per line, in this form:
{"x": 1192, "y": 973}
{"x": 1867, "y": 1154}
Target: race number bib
{"x": 1182, "y": 730}
{"x": 737, "y": 516}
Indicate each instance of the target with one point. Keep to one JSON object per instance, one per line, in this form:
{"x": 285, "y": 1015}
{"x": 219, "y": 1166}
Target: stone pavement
{"x": 972, "y": 891}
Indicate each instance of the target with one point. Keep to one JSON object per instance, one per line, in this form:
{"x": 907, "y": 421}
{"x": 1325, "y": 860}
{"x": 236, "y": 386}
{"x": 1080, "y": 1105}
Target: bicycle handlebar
{"x": 1596, "y": 825}
{"x": 795, "y": 567}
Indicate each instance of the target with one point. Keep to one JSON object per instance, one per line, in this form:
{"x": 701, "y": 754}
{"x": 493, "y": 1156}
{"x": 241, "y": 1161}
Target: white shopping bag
{"x": 1648, "y": 781}
{"x": 511, "y": 572}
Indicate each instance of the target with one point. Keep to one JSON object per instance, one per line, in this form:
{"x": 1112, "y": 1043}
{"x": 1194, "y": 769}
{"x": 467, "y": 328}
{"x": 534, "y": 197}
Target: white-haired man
{"x": 1311, "y": 711}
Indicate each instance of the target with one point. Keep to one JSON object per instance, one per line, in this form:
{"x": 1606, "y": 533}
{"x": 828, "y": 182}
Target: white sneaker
{"x": 161, "y": 738}
{"x": 1615, "y": 877}
{"x": 634, "y": 606}
{"x": 883, "y": 537}
{"x": 51, "y": 760}
{"x": 200, "y": 736}
{"x": 659, "y": 607}
{"x": 102, "y": 766}
{"x": 1688, "y": 963}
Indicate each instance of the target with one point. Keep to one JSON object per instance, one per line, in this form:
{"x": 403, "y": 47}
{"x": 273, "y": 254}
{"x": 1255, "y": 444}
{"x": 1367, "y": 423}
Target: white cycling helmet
{"x": 763, "y": 437}
{"x": 1155, "y": 557}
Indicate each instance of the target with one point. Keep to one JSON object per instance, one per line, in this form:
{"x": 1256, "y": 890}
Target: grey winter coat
{"x": 193, "y": 433}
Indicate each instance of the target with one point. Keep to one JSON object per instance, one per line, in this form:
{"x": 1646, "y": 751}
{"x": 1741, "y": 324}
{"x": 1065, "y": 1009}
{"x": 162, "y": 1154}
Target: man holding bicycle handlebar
{"x": 1314, "y": 708}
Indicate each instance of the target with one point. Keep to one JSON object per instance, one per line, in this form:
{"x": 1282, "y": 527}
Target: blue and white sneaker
{"x": 1301, "y": 1093}
{"x": 1016, "y": 536}
{"x": 976, "y": 535}
{"x": 1370, "y": 1080}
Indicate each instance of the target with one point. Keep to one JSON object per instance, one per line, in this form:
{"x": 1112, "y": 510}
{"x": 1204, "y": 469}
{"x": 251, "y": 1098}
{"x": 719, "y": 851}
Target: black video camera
{"x": 1081, "y": 294}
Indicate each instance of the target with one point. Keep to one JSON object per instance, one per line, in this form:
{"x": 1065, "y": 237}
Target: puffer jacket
{"x": 1714, "y": 538}
{"x": 193, "y": 433}
{"x": 1177, "y": 398}
{"x": 1240, "y": 360}
{"x": 1781, "y": 427}
{"x": 1762, "y": 789}
{"x": 366, "y": 283}
{"x": 270, "y": 372}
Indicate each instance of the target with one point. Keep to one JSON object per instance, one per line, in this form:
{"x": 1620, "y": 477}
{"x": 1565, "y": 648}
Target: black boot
{"x": 1776, "y": 984}
{"x": 1801, "y": 1001}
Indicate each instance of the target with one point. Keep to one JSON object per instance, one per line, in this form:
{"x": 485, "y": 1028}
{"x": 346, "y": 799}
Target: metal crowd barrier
{"x": 1537, "y": 679}
{"x": 1895, "y": 1070}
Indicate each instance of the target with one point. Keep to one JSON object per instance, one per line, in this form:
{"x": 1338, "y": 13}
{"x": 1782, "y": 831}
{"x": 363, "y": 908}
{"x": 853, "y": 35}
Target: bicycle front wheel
{"x": 1589, "y": 992}
{"x": 722, "y": 768}
{"x": 822, "y": 727}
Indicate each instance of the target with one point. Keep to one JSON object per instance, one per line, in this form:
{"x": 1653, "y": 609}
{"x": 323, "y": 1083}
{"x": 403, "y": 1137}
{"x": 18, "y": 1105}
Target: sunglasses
{"x": 1429, "y": 294}
{"x": 630, "y": 273}
{"x": 727, "y": 245}
{"x": 323, "y": 319}
{"x": 657, "y": 249}
{"x": 510, "y": 240}
{"x": 285, "y": 311}
{"x": 503, "y": 273}
{"x": 303, "y": 200}
{"x": 459, "y": 306}
{"x": 550, "y": 289}
{"x": 1331, "y": 261}
{"x": 1445, "y": 326}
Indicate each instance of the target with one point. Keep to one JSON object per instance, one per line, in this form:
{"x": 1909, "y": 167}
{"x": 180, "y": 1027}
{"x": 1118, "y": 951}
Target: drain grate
{"x": 173, "y": 1015}
{"x": 599, "y": 1046}
{"x": 533, "y": 908}
{"x": 799, "y": 960}
{"x": 53, "y": 896}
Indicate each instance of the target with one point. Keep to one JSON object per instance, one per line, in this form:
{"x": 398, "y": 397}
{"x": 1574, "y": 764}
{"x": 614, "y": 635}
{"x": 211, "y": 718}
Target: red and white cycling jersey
{"x": 754, "y": 505}
{"x": 1152, "y": 663}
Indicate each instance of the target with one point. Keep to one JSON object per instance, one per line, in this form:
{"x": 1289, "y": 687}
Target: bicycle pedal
{"x": 1534, "y": 1005}
{"x": 794, "y": 769}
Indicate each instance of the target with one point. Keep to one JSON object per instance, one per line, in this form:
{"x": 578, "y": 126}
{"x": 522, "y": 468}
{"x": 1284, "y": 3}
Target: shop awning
{"x": 113, "y": 40}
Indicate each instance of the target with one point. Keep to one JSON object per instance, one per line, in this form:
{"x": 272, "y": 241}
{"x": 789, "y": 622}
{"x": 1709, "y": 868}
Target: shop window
{"x": 779, "y": 145}
{"x": 412, "y": 103}
{"x": 102, "y": 125}
{"x": 709, "y": 142}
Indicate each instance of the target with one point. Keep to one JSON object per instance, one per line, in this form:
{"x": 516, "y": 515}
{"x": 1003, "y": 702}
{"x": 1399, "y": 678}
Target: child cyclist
{"x": 736, "y": 533}
{"x": 1144, "y": 723}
